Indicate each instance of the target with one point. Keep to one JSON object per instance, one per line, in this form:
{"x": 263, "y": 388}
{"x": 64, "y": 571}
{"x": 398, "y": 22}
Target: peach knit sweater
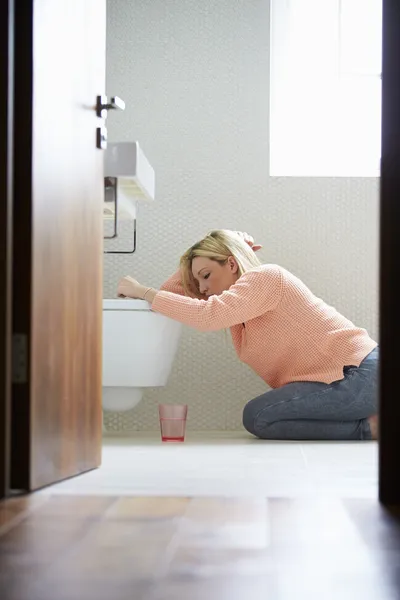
{"x": 279, "y": 328}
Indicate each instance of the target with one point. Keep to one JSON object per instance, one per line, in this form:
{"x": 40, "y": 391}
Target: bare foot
{"x": 374, "y": 425}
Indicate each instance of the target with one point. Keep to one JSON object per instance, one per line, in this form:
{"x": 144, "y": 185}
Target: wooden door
{"x": 57, "y": 285}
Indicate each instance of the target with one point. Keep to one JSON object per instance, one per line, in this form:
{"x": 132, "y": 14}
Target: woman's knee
{"x": 262, "y": 429}
{"x": 249, "y": 417}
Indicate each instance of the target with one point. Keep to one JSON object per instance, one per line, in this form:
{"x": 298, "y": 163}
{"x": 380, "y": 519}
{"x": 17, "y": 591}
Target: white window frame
{"x": 325, "y": 90}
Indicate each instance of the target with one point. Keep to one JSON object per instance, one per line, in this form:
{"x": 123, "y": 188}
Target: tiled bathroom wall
{"x": 195, "y": 79}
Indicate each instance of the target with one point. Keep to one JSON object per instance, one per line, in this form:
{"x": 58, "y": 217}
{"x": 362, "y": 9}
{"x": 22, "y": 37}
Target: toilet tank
{"x": 139, "y": 345}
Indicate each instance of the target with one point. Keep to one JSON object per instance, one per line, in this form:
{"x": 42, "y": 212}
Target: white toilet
{"x": 139, "y": 347}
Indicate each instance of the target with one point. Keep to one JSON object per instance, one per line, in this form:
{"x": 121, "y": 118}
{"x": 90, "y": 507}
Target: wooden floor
{"x": 103, "y": 548}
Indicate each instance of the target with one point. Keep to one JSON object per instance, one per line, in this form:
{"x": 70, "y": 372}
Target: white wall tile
{"x": 194, "y": 76}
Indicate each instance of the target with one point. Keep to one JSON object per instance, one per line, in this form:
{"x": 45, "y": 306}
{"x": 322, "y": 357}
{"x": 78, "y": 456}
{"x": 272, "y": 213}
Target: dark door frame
{"x": 6, "y": 203}
{"x": 389, "y": 447}
{"x": 20, "y": 439}
{"x": 389, "y": 310}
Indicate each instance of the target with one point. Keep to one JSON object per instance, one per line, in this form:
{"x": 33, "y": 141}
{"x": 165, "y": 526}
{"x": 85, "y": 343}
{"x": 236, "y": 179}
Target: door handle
{"x": 101, "y": 138}
{"x": 103, "y": 106}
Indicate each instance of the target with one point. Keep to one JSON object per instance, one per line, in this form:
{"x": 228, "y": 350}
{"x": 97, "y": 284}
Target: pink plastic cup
{"x": 173, "y": 422}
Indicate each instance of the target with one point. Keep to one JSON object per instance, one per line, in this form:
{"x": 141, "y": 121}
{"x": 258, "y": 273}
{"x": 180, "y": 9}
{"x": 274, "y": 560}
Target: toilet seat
{"x": 125, "y": 304}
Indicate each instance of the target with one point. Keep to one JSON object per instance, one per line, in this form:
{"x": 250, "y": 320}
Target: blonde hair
{"x": 218, "y": 245}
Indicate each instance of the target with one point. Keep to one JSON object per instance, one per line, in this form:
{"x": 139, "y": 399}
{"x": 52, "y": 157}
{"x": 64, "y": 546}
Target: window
{"x": 325, "y": 101}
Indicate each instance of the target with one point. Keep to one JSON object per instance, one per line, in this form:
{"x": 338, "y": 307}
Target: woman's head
{"x": 216, "y": 262}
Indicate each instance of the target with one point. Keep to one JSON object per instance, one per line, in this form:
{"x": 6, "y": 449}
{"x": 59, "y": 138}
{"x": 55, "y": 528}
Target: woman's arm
{"x": 131, "y": 288}
{"x": 254, "y": 294}
{"x": 134, "y": 289}
{"x": 174, "y": 284}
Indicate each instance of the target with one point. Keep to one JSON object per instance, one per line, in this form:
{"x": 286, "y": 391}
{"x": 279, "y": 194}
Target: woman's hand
{"x": 130, "y": 288}
{"x": 249, "y": 240}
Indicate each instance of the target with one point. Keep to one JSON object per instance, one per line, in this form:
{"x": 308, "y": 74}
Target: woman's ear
{"x": 233, "y": 266}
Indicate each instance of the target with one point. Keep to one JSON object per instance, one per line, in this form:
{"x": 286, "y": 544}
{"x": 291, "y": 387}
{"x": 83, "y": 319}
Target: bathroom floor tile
{"x": 228, "y": 464}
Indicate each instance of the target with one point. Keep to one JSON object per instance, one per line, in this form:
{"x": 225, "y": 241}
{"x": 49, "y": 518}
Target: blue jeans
{"x": 318, "y": 411}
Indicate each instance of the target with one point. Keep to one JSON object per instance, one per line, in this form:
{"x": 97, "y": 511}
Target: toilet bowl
{"x": 139, "y": 347}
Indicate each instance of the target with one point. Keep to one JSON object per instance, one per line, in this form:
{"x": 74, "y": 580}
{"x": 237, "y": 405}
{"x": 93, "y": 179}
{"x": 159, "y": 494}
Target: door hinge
{"x": 19, "y": 358}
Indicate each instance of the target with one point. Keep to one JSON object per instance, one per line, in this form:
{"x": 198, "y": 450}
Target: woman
{"x": 322, "y": 369}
